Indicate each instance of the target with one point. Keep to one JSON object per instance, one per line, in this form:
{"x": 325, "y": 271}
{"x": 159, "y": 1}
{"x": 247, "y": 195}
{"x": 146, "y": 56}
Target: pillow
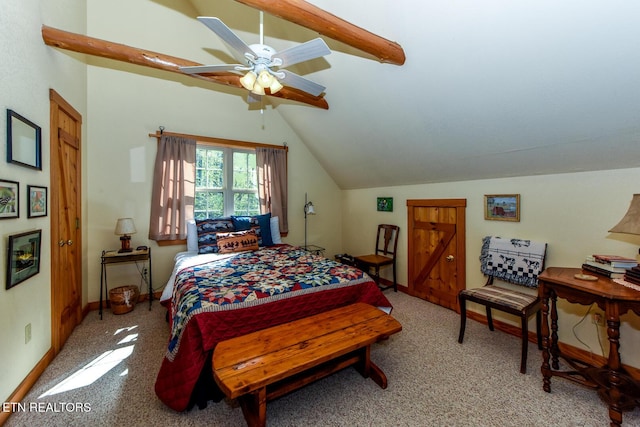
{"x": 260, "y": 223}
{"x": 275, "y": 230}
{"x": 237, "y": 241}
{"x": 192, "y": 236}
{"x": 208, "y": 229}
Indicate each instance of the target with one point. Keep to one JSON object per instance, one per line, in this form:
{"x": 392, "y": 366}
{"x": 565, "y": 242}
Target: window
{"x": 226, "y": 182}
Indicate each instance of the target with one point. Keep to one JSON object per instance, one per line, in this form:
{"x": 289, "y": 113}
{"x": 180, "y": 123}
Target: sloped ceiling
{"x": 489, "y": 89}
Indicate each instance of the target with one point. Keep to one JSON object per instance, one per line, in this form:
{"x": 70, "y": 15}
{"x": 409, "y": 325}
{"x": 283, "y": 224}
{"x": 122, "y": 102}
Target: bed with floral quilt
{"x": 220, "y": 296}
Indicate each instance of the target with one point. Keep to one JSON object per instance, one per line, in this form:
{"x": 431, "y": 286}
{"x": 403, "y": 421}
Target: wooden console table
{"x": 615, "y": 386}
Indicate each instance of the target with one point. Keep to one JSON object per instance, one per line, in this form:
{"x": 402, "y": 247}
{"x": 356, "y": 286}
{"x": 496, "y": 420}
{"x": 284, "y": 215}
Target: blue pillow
{"x": 260, "y": 222}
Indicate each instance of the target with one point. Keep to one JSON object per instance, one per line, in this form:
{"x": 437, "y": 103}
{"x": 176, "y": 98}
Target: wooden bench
{"x": 270, "y": 363}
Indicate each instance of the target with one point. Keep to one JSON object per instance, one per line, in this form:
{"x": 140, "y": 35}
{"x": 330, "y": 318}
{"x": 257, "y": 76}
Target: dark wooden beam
{"x": 314, "y": 18}
{"x": 146, "y": 58}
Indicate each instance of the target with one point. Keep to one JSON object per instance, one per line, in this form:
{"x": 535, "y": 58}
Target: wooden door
{"x": 436, "y": 233}
{"x": 66, "y": 278}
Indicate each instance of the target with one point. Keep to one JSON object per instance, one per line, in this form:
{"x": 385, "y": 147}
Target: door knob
{"x": 450, "y": 258}
{"x": 61, "y": 243}
{"x": 69, "y": 242}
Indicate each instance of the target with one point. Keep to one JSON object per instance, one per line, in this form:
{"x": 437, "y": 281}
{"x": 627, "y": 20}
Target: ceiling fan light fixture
{"x": 265, "y": 79}
{"x": 275, "y": 86}
{"x": 248, "y": 80}
{"x": 258, "y": 89}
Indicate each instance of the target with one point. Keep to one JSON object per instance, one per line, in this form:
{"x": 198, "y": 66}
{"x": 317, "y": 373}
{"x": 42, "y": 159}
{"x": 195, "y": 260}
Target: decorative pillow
{"x": 192, "y": 236}
{"x": 208, "y": 229}
{"x": 275, "y": 230}
{"x": 237, "y": 241}
{"x": 259, "y": 223}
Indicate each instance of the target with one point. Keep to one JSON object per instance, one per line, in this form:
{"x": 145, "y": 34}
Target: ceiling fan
{"x": 262, "y": 66}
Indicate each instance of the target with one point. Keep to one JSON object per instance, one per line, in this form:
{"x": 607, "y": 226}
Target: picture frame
{"x": 23, "y": 259}
{"x": 9, "y": 199}
{"x": 385, "y": 204}
{"x": 502, "y": 207}
{"x": 24, "y": 141}
{"x": 37, "y": 199}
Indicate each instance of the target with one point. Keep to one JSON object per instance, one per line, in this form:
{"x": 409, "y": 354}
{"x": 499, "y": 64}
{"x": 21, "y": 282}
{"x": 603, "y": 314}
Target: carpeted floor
{"x": 433, "y": 381}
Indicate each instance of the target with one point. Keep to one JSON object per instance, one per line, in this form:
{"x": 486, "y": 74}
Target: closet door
{"x": 436, "y": 250}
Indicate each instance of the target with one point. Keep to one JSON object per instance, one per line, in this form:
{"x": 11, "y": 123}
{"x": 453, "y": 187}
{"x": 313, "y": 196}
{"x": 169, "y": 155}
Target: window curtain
{"x": 173, "y": 193}
{"x": 272, "y": 183}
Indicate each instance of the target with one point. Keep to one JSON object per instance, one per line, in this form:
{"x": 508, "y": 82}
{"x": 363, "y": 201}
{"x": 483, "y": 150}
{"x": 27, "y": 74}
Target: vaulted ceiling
{"x": 489, "y": 89}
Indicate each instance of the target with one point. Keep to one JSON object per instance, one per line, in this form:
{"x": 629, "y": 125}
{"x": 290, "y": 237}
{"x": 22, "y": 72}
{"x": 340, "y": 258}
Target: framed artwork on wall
{"x": 24, "y": 141}
{"x": 37, "y": 201}
{"x": 23, "y": 260}
{"x": 502, "y": 207}
{"x": 9, "y": 199}
{"x": 385, "y": 204}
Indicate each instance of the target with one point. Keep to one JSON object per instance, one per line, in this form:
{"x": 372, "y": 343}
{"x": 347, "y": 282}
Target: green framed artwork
{"x": 385, "y": 204}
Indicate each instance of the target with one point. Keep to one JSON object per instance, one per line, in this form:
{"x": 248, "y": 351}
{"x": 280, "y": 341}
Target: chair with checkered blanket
{"x": 515, "y": 261}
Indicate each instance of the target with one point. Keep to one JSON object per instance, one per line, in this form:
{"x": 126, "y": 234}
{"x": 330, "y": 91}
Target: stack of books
{"x": 612, "y": 266}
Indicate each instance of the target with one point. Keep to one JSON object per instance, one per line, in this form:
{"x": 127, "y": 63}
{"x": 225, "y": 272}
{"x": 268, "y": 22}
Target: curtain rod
{"x": 218, "y": 141}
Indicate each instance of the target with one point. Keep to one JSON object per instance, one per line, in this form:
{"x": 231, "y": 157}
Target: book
{"x": 607, "y": 267}
{"x": 602, "y": 271}
{"x": 615, "y": 260}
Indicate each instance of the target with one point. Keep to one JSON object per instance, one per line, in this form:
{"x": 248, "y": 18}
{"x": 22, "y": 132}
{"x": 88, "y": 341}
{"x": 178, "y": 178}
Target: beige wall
{"x": 27, "y": 70}
{"x": 572, "y": 212}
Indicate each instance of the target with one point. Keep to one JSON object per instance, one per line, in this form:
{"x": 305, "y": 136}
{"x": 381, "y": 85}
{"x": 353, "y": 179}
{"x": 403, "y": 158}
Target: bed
{"x": 215, "y": 296}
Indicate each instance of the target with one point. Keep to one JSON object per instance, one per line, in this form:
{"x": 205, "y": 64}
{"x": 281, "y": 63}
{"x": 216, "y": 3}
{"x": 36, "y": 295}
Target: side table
{"x": 115, "y": 257}
{"x": 615, "y": 386}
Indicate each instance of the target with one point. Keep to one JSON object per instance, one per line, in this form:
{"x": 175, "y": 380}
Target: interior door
{"x": 436, "y": 250}
{"x": 66, "y": 278}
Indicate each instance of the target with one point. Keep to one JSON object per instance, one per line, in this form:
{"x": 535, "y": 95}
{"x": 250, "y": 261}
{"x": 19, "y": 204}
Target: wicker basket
{"x": 123, "y": 299}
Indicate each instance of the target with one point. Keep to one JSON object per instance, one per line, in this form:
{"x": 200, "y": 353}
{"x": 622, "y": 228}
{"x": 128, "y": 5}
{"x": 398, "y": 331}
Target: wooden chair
{"x": 385, "y": 254}
{"x": 515, "y": 261}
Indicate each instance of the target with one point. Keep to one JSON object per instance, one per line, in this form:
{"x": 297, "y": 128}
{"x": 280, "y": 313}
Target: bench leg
{"x": 254, "y": 407}
{"x": 368, "y": 369}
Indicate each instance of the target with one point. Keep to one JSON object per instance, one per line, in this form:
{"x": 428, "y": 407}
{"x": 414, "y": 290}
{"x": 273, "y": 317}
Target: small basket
{"x": 123, "y": 299}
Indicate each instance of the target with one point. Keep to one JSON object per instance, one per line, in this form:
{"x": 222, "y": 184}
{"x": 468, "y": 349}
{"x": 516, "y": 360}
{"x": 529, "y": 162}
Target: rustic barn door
{"x": 66, "y": 254}
{"x": 436, "y": 229}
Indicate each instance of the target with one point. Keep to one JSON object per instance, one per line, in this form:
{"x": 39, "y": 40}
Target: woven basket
{"x": 123, "y": 299}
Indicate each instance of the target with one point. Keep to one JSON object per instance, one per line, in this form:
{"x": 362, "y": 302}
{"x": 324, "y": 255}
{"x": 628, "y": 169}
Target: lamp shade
{"x": 125, "y": 226}
{"x": 310, "y": 209}
{"x": 630, "y": 223}
{"x": 248, "y": 80}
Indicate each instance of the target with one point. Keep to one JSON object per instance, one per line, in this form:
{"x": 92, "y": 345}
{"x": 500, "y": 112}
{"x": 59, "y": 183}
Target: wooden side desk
{"x": 114, "y": 257}
{"x": 614, "y": 385}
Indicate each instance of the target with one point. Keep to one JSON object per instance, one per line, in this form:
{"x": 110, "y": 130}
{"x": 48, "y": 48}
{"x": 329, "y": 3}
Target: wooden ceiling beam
{"x": 314, "y": 18}
{"x": 146, "y": 58}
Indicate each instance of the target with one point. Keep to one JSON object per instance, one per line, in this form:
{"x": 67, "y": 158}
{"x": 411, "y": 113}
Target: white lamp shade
{"x": 275, "y": 86}
{"x": 310, "y": 209}
{"x": 257, "y": 89}
{"x": 248, "y": 80}
{"x": 125, "y": 226}
{"x": 265, "y": 79}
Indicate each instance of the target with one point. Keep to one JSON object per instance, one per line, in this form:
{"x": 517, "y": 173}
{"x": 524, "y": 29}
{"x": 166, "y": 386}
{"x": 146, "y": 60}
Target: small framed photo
{"x": 37, "y": 201}
{"x": 23, "y": 259}
{"x": 24, "y": 141}
{"x": 9, "y": 199}
{"x": 385, "y": 204}
{"x": 502, "y": 207}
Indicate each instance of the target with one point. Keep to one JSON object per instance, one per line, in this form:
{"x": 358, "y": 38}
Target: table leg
{"x": 614, "y": 364}
{"x": 546, "y": 343}
{"x": 102, "y": 276}
{"x": 150, "y": 281}
{"x": 555, "y": 350}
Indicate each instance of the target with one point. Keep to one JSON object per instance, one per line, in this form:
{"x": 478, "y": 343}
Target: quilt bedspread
{"x": 244, "y": 293}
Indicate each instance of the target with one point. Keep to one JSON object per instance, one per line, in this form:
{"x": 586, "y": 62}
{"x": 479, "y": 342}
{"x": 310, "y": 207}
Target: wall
{"x": 28, "y": 69}
{"x": 127, "y": 103}
{"x": 572, "y": 212}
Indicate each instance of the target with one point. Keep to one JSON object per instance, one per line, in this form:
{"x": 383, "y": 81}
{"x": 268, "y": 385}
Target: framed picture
{"x": 24, "y": 141}
{"x": 9, "y": 199}
{"x": 385, "y": 204}
{"x": 502, "y": 207}
{"x": 23, "y": 260}
{"x": 37, "y": 201}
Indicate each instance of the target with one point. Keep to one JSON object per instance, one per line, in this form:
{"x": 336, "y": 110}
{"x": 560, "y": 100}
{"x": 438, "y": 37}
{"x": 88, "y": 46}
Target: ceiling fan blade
{"x": 298, "y": 82}
{"x": 227, "y": 36}
{"x": 210, "y": 68}
{"x": 306, "y": 51}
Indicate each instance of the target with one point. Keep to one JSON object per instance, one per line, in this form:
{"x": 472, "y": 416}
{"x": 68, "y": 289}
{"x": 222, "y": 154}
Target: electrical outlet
{"x": 597, "y": 319}
{"x": 27, "y": 333}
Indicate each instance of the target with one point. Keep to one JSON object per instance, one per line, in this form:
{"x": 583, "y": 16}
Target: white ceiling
{"x": 489, "y": 89}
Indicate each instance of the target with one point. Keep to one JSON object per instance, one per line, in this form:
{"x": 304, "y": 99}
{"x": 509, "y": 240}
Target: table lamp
{"x": 124, "y": 228}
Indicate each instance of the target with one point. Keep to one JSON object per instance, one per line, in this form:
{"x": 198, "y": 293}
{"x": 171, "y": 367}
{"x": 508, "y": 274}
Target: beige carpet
{"x": 433, "y": 381}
